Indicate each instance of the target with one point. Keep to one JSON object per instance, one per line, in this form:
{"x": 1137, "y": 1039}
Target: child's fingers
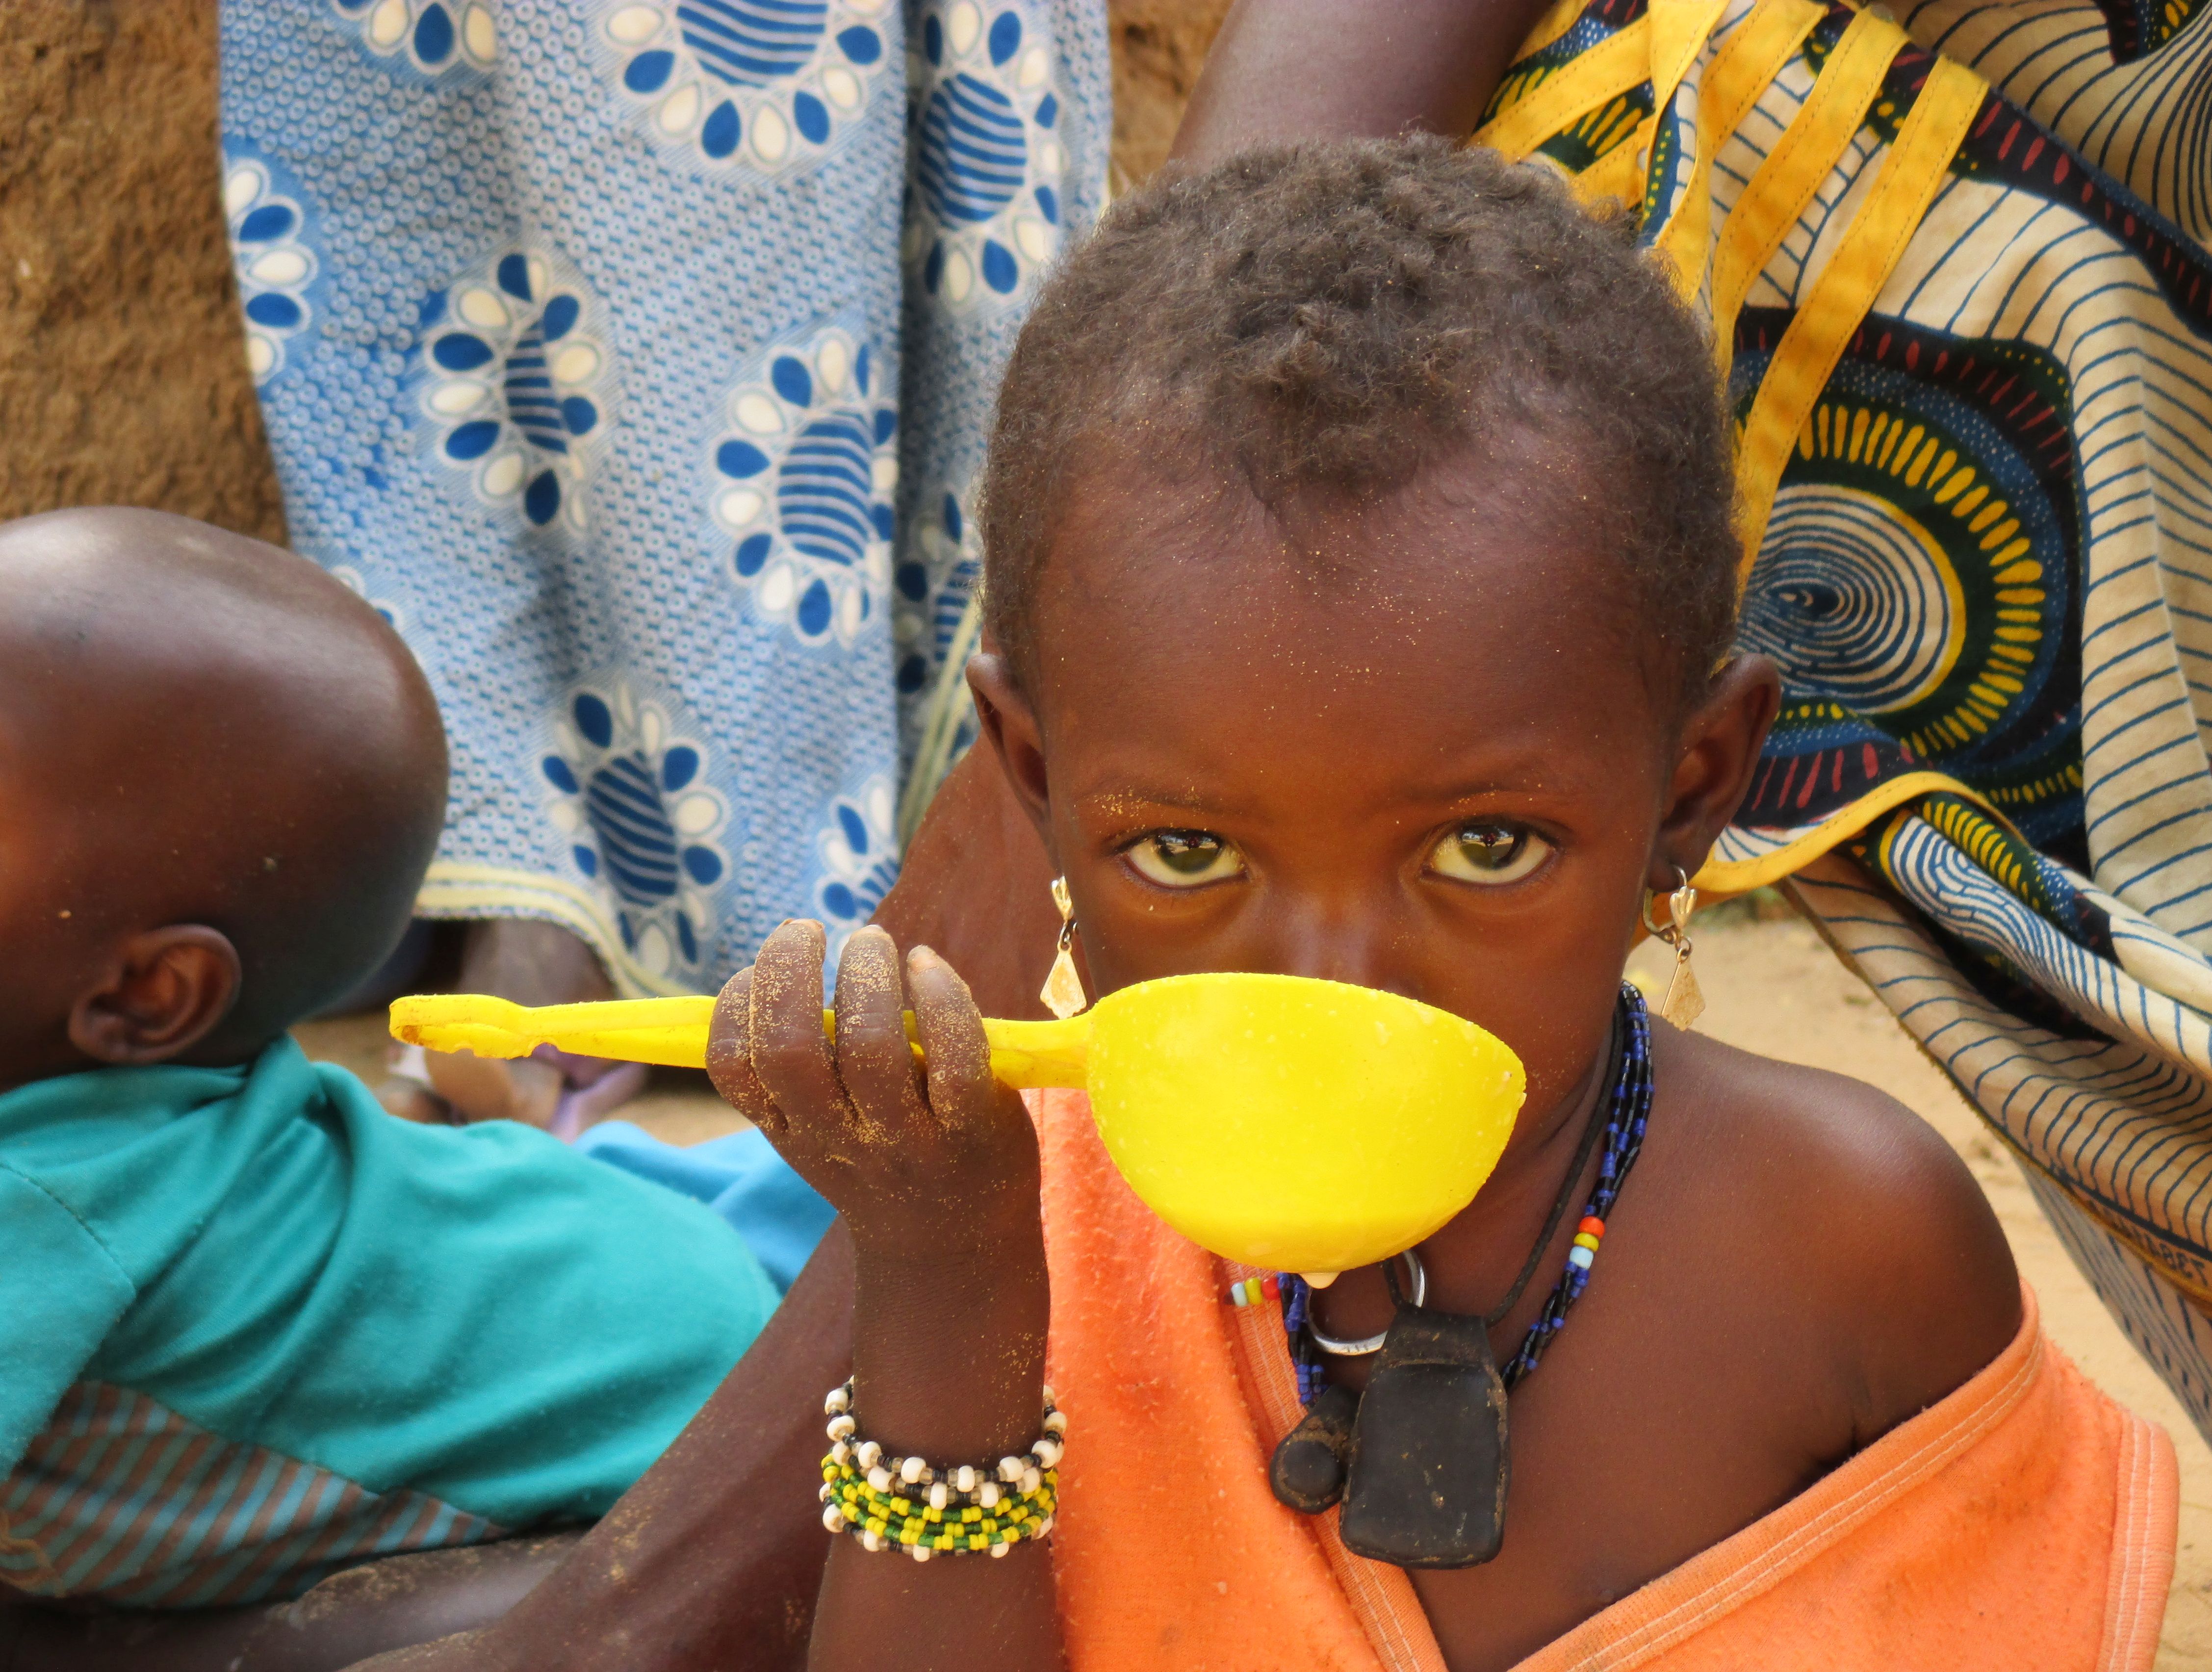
{"x": 729, "y": 1056}
{"x": 961, "y": 1089}
{"x": 872, "y": 1054}
{"x": 789, "y": 1053}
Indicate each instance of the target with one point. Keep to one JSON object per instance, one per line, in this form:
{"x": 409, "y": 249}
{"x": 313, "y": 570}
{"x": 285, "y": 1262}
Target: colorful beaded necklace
{"x": 1628, "y": 1106}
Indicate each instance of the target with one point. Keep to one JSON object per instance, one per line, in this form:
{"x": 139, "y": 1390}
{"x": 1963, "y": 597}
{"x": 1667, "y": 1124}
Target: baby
{"x": 1360, "y": 583}
{"x": 257, "y": 1329}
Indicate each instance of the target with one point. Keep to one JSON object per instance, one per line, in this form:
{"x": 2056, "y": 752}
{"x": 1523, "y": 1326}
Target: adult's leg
{"x": 350, "y": 1616}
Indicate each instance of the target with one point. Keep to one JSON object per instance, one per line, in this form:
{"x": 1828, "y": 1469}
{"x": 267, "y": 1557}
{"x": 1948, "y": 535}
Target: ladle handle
{"x": 673, "y": 1032}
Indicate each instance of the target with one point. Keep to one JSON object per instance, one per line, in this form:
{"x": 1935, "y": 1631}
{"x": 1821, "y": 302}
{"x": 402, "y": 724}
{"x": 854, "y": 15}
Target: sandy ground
{"x": 1774, "y": 988}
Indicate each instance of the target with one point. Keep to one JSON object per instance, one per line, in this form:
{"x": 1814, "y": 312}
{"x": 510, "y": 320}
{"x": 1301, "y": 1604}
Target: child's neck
{"x": 1485, "y": 1244}
{"x": 1471, "y": 1263}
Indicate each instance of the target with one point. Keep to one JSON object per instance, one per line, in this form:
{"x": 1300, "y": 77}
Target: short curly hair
{"x": 1332, "y": 317}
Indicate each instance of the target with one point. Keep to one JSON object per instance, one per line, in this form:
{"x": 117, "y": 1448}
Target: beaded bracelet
{"x": 888, "y": 1502}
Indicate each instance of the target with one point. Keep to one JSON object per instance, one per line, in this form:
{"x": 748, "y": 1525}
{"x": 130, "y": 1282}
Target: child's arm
{"x": 938, "y": 1180}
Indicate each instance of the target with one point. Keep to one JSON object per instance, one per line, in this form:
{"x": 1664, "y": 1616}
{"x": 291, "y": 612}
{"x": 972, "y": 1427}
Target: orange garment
{"x": 2026, "y": 1520}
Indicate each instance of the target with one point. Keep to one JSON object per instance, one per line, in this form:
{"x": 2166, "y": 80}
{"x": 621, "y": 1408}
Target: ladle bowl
{"x": 1293, "y": 1124}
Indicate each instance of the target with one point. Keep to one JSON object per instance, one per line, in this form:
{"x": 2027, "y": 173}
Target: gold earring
{"x": 1063, "y": 994}
{"x": 1683, "y": 1002}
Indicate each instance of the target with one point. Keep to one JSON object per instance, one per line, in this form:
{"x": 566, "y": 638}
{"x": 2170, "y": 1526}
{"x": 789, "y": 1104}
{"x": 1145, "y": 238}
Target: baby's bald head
{"x": 197, "y": 732}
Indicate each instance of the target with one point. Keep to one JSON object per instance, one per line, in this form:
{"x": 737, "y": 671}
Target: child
{"x": 257, "y": 1329}
{"x": 1360, "y": 582}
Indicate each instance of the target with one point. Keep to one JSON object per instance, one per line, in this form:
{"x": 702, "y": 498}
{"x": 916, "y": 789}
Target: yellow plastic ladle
{"x": 1290, "y": 1123}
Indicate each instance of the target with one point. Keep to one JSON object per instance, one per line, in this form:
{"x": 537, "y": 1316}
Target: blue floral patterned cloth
{"x": 634, "y": 360}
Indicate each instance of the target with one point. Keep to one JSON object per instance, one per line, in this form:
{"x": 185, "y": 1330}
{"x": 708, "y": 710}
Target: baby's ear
{"x": 166, "y": 990}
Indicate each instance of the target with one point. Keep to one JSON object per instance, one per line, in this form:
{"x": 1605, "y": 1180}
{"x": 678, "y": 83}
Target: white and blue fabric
{"x": 636, "y": 360}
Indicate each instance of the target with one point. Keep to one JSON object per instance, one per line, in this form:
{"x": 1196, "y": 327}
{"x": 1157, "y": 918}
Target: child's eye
{"x": 1488, "y": 854}
{"x": 1185, "y": 859}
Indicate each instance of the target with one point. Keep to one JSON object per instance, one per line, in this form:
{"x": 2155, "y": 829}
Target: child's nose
{"x": 1359, "y": 953}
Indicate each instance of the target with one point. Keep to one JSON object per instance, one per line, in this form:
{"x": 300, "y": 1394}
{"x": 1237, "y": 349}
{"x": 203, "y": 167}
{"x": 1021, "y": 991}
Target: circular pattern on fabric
{"x": 517, "y": 385}
{"x": 753, "y": 42}
{"x": 800, "y": 485}
{"x": 270, "y": 256}
{"x": 414, "y": 184}
{"x": 764, "y": 86}
{"x": 627, "y": 792}
{"x": 989, "y": 167}
{"x": 637, "y": 841}
{"x": 974, "y": 153}
{"x": 1914, "y": 588}
{"x": 1860, "y": 602}
{"x": 930, "y": 588}
{"x": 825, "y": 490}
{"x": 859, "y": 845}
{"x": 434, "y": 38}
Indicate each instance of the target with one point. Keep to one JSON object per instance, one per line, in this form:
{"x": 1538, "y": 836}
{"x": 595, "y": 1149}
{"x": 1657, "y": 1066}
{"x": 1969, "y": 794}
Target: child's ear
{"x": 166, "y": 991}
{"x": 1011, "y": 724}
{"x": 1719, "y": 752}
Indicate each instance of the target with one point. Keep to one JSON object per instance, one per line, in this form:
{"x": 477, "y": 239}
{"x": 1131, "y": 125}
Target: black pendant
{"x": 1307, "y": 1471}
{"x": 1424, "y": 1485}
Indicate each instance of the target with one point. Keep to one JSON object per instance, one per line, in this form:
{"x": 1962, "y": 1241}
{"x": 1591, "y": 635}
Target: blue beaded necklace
{"x": 1628, "y": 1108}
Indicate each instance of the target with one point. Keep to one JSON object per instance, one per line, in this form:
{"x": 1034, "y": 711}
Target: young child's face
{"x": 1416, "y": 748}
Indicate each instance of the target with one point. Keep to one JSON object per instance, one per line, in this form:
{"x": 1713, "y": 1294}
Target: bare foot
{"x": 531, "y": 963}
{"x": 487, "y": 1089}
{"x": 406, "y": 1090}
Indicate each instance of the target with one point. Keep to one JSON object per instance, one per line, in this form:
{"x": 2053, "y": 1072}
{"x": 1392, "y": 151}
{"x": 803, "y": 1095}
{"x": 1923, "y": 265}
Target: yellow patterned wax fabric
{"x": 1967, "y": 334}
{"x": 2131, "y": 90}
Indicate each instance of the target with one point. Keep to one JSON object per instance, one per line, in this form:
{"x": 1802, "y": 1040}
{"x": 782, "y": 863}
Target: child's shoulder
{"x": 1844, "y": 1209}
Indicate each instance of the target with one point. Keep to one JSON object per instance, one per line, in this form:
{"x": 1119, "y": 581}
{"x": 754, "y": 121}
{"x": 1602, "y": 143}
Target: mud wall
{"x": 123, "y": 374}
{"x": 1159, "y": 47}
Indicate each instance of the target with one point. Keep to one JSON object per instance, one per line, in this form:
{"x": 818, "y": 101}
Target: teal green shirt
{"x": 479, "y": 1317}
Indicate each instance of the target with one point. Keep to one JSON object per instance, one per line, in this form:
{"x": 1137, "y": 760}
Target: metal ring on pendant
{"x": 1337, "y": 1347}
{"x": 1665, "y": 932}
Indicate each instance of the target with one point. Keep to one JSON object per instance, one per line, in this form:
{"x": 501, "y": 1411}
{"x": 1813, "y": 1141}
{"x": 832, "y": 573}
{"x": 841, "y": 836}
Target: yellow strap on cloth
{"x": 1751, "y": 58}
{"x": 1619, "y": 173}
{"x": 1658, "y": 49}
{"x": 1801, "y": 160}
{"x": 1562, "y": 17}
{"x": 1904, "y": 186}
{"x": 1718, "y": 877}
{"x": 1619, "y": 64}
{"x": 1679, "y": 30}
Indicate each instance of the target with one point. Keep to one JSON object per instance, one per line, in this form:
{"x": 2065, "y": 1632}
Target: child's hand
{"x": 923, "y": 1166}
{"x": 936, "y": 1175}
